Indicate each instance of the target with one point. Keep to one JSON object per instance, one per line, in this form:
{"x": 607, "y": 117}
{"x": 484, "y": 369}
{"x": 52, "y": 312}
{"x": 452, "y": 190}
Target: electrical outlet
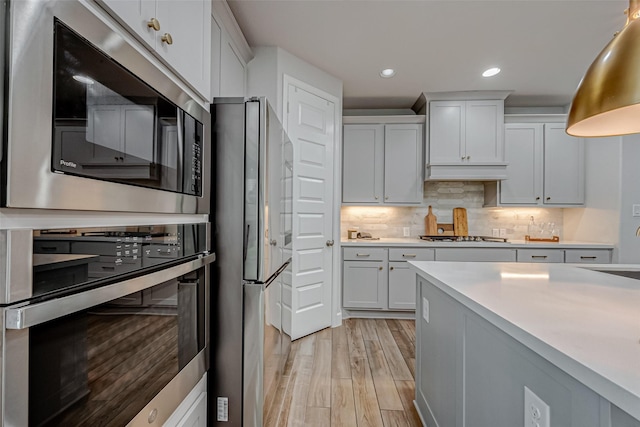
{"x": 636, "y": 210}
{"x": 406, "y": 231}
{"x": 503, "y": 232}
{"x": 223, "y": 409}
{"x": 425, "y": 309}
{"x": 495, "y": 232}
{"x": 536, "y": 412}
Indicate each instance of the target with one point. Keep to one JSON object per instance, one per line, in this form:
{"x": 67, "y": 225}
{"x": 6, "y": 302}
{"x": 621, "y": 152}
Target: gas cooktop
{"x": 441, "y": 238}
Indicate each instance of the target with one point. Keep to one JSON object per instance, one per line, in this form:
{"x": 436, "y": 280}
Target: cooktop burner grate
{"x": 442, "y": 238}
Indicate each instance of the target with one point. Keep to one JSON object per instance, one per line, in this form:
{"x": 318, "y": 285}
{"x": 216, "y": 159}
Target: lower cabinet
{"x": 364, "y": 284}
{"x": 470, "y": 373}
{"x": 379, "y": 278}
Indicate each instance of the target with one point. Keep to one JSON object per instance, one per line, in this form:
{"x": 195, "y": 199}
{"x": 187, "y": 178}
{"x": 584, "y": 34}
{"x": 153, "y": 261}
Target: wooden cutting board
{"x": 460, "y": 225}
{"x": 430, "y": 223}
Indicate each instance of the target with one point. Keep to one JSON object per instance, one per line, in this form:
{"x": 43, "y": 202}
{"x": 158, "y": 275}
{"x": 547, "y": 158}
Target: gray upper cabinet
{"x": 466, "y": 140}
{"x": 563, "y": 166}
{"x": 382, "y": 164}
{"x": 177, "y": 32}
{"x": 546, "y": 167}
{"x": 363, "y": 163}
{"x": 403, "y": 180}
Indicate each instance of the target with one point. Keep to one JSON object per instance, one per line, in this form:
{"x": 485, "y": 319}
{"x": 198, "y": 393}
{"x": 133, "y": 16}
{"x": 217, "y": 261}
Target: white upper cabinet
{"x": 363, "y": 163}
{"x": 178, "y": 31}
{"x": 546, "y": 167}
{"x": 382, "y": 164}
{"x": 403, "y": 159}
{"x": 563, "y": 167}
{"x": 447, "y": 132}
{"x": 466, "y": 140}
{"x": 523, "y": 152}
{"x": 233, "y": 70}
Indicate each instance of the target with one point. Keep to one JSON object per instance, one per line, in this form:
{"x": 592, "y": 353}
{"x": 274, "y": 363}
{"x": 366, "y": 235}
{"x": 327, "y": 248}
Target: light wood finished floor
{"x": 359, "y": 374}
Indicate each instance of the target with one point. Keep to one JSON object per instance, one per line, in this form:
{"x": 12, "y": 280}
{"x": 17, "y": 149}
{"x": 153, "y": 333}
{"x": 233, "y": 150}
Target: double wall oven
{"x": 102, "y": 325}
{"x": 101, "y": 322}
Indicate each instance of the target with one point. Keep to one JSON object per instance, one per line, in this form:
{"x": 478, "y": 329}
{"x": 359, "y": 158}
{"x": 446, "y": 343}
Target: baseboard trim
{"x": 375, "y": 314}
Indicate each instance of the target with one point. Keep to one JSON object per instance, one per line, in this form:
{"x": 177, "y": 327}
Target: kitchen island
{"x": 485, "y": 332}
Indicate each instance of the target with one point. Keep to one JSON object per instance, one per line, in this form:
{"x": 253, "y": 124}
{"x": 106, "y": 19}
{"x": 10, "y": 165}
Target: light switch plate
{"x": 495, "y": 232}
{"x": 425, "y": 309}
{"x": 406, "y": 231}
{"x": 636, "y": 210}
{"x": 503, "y": 232}
{"x": 536, "y": 412}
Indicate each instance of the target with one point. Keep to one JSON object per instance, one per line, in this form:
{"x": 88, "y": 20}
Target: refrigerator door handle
{"x": 246, "y": 242}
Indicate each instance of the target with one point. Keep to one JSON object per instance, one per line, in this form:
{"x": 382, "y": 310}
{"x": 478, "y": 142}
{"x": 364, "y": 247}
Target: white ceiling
{"x": 542, "y": 46}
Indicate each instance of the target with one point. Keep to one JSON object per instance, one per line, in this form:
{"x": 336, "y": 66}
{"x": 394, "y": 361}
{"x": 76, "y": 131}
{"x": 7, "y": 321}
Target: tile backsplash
{"x": 388, "y": 221}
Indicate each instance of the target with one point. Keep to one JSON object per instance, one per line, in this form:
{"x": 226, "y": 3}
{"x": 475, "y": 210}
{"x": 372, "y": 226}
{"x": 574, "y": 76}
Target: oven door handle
{"x": 26, "y": 316}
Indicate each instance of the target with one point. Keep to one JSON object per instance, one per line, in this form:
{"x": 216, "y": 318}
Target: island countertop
{"x": 585, "y": 322}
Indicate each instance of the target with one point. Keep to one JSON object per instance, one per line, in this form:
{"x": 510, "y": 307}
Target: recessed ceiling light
{"x": 83, "y": 79}
{"x": 491, "y": 72}
{"x": 387, "y": 72}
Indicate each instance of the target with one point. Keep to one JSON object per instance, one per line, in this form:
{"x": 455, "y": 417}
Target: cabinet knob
{"x": 468, "y": 157}
{"x": 154, "y": 23}
{"x": 376, "y": 197}
{"x": 386, "y": 197}
{"x": 548, "y": 198}
{"x": 463, "y": 157}
{"x": 390, "y": 268}
{"x": 380, "y": 268}
{"x": 166, "y": 37}
{"x": 538, "y": 198}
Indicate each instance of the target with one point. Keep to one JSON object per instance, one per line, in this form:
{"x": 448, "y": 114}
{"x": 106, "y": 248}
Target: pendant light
{"x": 607, "y": 101}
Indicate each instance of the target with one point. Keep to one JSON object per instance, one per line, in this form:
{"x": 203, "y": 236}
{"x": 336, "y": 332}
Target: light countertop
{"x": 585, "y": 322}
{"x": 513, "y": 244}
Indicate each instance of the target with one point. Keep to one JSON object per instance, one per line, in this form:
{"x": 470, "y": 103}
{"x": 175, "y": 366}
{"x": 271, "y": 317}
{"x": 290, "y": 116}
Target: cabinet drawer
{"x": 51, "y": 247}
{"x": 588, "y": 256}
{"x": 476, "y": 254}
{"x": 540, "y": 255}
{"x": 411, "y": 254}
{"x": 364, "y": 254}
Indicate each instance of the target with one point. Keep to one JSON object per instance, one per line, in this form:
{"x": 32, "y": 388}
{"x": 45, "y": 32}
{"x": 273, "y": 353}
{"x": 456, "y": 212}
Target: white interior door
{"x": 311, "y": 127}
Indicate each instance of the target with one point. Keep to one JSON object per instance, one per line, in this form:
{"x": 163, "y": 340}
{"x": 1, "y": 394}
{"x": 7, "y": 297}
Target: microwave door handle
{"x": 26, "y": 316}
{"x": 180, "y": 167}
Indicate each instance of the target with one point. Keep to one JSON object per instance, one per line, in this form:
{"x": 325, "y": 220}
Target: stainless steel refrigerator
{"x": 252, "y": 213}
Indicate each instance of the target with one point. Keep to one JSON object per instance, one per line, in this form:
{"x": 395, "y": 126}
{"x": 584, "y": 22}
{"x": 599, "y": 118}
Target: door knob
{"x": 273, "y": 242}
{"x": 329, "y": 242}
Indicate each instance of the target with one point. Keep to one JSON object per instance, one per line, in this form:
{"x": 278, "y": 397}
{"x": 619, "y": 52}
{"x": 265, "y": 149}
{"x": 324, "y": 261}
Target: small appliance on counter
{"x": 366, "y": 236}
{"x": 352, "y": 233}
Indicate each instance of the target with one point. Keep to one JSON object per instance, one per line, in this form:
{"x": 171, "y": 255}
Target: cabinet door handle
{"x": 380, "y": 268}
{"x": 539, "y": 256}
{"x": 105, "y": 267}
{"x": 588, "y": 257}
{"x": 154, "y": 23}
{"x": 48, "y": 248}
{"x": 363, "y": 255}
{"x": 166, "y": 37}
{"x": 390, "y": 268}
{"x": 409, "y": 255}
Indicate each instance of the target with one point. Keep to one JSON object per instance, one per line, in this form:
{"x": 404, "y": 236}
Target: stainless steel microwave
{"x": 90, "y": 123}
